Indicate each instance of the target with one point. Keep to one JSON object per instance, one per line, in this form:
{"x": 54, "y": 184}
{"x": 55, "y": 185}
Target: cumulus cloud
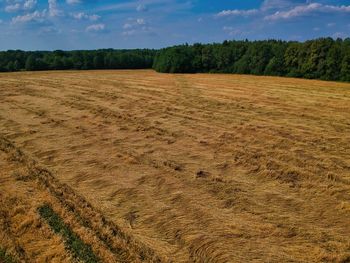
{"x": 280, "y": 4}
{"x": 82, "y": 16}
{"x": 95, "y": 28}
{"x": 232, "y": 31}
{"x": 53, "y": 8}
{"x": 36, "y": 16}
{"x": 129, "y": 33}
{"x": 340, "y": 35}
{"x": 141, "y": 8}
{"x": 237, "y": 12}
{"x": 16, "y": 6}
{"x": 127, "y": 26}
{"x": 134, "y": 23}
{"x": 13, "y": 8}
{"x": 308, "y": 9}
{"x": 30, "y": 17}
{"x": 49, "y": 30}
{"x": 137, "y": 26}
{"x": 29, "y": 4}
{"x": 334, "y": 8}
{"x": 140, "y": 21}
{"x": 286, "y": 9}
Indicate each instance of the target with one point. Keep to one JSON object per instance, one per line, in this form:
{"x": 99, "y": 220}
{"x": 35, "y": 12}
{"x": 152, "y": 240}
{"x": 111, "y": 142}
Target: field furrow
{"x": 142, "y": 166}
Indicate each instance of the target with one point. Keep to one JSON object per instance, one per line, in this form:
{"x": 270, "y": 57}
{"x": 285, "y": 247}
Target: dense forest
{"x": 16, "y": 60}
{"x": 323, "y": 58}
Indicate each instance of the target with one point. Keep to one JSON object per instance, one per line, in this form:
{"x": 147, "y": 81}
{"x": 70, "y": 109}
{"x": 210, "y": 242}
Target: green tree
{"x": 345, "y": 69}
{"x": 98, "y": 61}
{"x": 16, "y": 65}
{"x": 58, "y": 63}
{"x": 31, "y": 63}
{"x": 275, "y": 67}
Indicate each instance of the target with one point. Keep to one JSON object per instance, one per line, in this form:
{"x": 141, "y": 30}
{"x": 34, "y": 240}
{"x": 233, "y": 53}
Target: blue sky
{"x": 90, "y": 24}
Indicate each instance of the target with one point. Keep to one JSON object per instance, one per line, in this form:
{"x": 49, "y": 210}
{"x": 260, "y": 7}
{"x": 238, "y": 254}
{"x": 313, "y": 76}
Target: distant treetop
{"x": 323, "y": 58}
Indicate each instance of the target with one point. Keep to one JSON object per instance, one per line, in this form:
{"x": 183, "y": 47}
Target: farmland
{"x": 137, "y": 166}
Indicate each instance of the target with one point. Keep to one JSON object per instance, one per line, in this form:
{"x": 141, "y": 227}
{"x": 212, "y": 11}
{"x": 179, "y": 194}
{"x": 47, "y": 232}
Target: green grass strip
{"x": 78, "y": 248}
{"x": 6, "y": 258}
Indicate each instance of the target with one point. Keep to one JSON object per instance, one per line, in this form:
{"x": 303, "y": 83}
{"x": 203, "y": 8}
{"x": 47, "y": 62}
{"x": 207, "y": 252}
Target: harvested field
{"x": 148, "y": 167}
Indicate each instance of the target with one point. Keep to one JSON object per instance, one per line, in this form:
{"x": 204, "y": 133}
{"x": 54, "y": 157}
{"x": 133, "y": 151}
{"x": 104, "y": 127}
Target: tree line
{"x": 323, "y": 58}
{"x": 17, "y": 60}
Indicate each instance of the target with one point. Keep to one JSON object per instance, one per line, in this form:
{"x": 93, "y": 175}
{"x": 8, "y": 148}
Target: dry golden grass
{"x": 184, "y": 168}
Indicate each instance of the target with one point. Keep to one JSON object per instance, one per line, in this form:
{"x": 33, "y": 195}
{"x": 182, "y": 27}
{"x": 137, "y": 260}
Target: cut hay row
{"x": 6, "y": 257}
{"x": 79, "y": 249}
{"x": 216, "y": 168}
{"x": 118, "y": 242}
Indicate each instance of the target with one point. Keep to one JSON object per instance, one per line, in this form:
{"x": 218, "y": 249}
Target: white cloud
{"x": 272, "y": 4}
{"x": 235, "y": 32}
{"x": 95, "y": 28}
{"x": 141, "y": 8}
{"x": 13, "y": 8}
{"x": 53, "y": 8}
{"x": 164, "y": 6}
{"x": 30, "y": 17}
{"x": 334, "y": 8}
{"x": 308, "y": 9}
{"x": 280, "y": 4}
{"x": 29, "y": 4}
{"x": 127, "y": 26}
{"x": 237, "y": 12}
{"x": 286, "y": 9}
{"x": 137, "y": 26}
{"x": 16, "y": 6}
{"x": 36, "y": 16}
{"x": 232, "y": 31}
{"x": 82, "y": 15}
{"x": 49, "y": 30}
{"x": 140, "y": 21}
{"x": 135, "y": 23}
{"x": 340, "y": 35}
{"x": 129, "y": 33}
